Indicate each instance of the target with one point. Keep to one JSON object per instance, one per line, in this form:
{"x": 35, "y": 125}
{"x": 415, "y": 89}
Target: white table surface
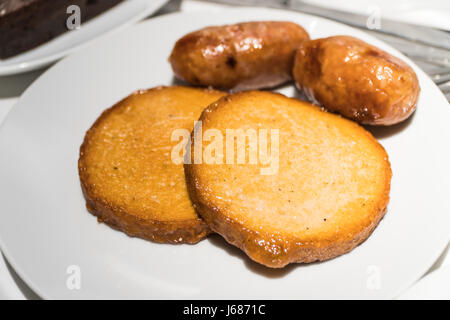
{"x": 11, "y": 87}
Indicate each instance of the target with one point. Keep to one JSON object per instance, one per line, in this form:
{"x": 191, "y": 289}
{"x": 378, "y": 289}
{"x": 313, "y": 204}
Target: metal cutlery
{"x": 428, "y": 47}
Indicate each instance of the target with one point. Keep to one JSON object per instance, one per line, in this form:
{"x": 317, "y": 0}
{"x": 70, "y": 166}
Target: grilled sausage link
{"x": 242, "y": 56}
{"x": 361, "y": 82}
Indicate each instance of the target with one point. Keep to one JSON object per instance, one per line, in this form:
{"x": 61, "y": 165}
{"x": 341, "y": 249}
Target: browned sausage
{"x": 357, "y": 80}
{"x": 242, "y": 56}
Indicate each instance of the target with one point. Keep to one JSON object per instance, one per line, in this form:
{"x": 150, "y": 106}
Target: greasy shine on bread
{"x": 125, "y": 167}
{"x": 242, "y": 56}
{"x": 328, "y": 195}
{"x": 360, "y": 81}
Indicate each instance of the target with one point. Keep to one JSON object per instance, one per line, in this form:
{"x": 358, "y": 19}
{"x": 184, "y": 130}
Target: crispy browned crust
{"x": 278, "y": 250}
{"x": 187, "y": 231}
{"x": 264, "y": 248}
{"x": 182, "y": 231}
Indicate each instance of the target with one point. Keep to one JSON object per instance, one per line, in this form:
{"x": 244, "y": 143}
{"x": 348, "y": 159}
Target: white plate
{"x": 45, "y": 228}
{"x": 432, "y": 287}
{"x": 121, "y": 15}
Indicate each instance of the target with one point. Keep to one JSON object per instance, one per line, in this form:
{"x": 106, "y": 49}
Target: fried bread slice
{"x": 127, "y": 174}
{"x": 329, "y": 193}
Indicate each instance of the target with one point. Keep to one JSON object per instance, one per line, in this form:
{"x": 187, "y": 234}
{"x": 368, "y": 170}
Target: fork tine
{"x": 446, "y": 90}
{"x": 440, "y": 79}
{"x": 417, "y": 51}
{"x": 440, "y": 71}
{"x": 445, "y": 87}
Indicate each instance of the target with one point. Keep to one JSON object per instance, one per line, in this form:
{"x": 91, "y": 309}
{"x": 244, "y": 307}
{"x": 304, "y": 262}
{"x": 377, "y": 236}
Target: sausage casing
{"x": 361, "y": 82}
{"x": 243, "y": 56}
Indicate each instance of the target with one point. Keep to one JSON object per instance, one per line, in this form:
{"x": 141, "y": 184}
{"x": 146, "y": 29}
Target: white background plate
{"x": 45, "y": 228}
{"x": 432, "y": 287}
{"x": 119, "y": 16}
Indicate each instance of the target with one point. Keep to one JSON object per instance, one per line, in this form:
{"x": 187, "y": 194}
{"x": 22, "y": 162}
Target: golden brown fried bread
{"x": 359, "y": 81}
{"x": 241, "y": 56}
{"x": 125, "y": 167}
{"x": 329, "y": 193}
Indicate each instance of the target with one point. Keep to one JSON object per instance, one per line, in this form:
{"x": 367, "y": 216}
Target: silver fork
{"x": 427, "y": 47}
{"x": 442, "y": 79}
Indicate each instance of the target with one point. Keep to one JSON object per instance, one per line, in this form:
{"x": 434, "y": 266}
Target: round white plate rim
{"x": 35, "y": 288}
{"x": 434, "y": 280}
{"x": 26, "y": 66}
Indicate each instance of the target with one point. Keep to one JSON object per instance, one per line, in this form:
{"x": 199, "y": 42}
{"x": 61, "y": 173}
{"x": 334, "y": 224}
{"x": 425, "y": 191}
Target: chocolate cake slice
{"x": 25, "y": 24}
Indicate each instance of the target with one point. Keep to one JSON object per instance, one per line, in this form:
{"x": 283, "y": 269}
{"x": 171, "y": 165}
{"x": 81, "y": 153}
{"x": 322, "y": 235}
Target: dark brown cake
{"x": 25, "y": 24}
